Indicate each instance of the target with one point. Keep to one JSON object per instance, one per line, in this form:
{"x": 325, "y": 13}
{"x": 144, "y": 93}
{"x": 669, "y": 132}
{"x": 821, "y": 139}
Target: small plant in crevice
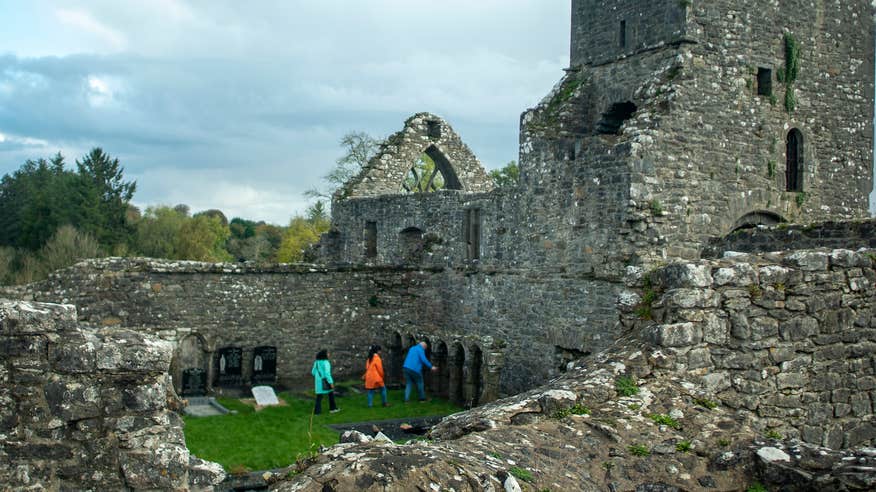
{"x": 656, "y": 207}
{"x": 608, "y": 465}
{"x": 626, "y": 386}
{"x": 576, "y": 409}
{"x": 771, "y": 168}
{"x": 800, "y": 199}
{"x": 521, "y": 473}
{"x": 772, "y": 434}
{"x": 779, "y": 286}
{"x": 756, "y": 487}
{"x": 663, "y": 419}
{"x": 495, "y": 455}
{"x": 238, "y": 470}
{"x": 683, "y": 446}
{"x": 723, "y": 442}
{"x": 705, "y": 402}
{"x": 754, "y": 291}
{"x": 639, "y": 450}
{"x": 773, "y": 100}
{"x": 634, "y": 406}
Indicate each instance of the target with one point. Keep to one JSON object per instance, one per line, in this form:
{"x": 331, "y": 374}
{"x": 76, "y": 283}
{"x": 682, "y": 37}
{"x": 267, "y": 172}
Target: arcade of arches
{"x": 462, "y": 369}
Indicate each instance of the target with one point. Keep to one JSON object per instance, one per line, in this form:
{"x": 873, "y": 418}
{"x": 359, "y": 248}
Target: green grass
{"x": 278, "y": 436}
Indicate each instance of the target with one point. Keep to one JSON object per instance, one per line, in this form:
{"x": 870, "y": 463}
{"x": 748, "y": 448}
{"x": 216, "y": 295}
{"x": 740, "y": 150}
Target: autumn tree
{"x": 302, "y": 233}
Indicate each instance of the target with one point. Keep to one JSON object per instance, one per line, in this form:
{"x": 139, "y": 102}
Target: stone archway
{"x": 441, "y": 378}
{"x": 756, "y": 218}
{"x": 456, "y": 376}
{"x": 395, "y": 375}
{"x": 475, "y": 380}
{"x": 191, "y": 365}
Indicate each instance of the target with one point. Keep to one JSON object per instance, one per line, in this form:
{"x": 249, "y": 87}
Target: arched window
{"x": 431, "y": 172}
{"x": 795, "y": 162}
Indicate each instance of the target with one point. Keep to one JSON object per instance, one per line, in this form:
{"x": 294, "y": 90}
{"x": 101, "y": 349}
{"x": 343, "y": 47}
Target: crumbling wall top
{"x": 423, "y": 133}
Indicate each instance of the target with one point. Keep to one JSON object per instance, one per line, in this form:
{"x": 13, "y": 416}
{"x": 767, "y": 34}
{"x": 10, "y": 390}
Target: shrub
{"x": 626, "y": 386}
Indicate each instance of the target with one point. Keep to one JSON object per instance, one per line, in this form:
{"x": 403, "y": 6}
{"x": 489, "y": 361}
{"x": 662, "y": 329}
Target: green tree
{"x": 506, "y": 177}
{"x": 35, "y": 200}
{"x": 359, "y": 148}
{"x": 103, "y": 196}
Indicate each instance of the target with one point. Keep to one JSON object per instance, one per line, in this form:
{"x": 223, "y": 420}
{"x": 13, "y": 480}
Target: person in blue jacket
{"x": 413, "y": 367}
{"x": 323, "y": 382}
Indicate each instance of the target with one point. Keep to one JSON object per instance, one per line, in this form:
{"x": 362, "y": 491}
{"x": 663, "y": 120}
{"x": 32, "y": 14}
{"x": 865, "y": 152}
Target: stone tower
{"x": 680, "y": 120}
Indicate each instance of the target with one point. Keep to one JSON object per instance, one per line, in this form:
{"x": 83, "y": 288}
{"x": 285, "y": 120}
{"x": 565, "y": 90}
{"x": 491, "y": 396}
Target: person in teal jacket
{"x": 323, "y": 382}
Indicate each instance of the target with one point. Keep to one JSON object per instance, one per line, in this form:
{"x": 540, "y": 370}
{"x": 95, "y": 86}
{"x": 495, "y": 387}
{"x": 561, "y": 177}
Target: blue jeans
{"x": 412, "y": 378}
{"x": 382, "y": 390}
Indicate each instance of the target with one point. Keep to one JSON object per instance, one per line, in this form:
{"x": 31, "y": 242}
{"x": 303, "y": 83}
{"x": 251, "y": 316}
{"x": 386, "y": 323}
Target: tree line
{"x": 54, "y": 216}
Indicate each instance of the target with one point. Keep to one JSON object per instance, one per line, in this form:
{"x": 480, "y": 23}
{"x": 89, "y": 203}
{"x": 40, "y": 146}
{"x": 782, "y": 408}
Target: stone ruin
{"x": 681, "y": 131}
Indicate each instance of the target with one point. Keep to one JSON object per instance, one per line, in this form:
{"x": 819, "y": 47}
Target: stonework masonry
{"x": 88, "y": 409}
{"x": 788, "y": 338}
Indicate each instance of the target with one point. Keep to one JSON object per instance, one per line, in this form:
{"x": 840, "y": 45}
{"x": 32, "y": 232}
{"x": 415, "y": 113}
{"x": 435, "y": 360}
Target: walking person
{"x": 374, "y": 376}
{"x": 413, "y": 367}
{"x": 323, "y": 382}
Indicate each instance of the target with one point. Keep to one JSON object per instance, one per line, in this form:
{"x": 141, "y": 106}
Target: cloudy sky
{"x": 240, "y": 106}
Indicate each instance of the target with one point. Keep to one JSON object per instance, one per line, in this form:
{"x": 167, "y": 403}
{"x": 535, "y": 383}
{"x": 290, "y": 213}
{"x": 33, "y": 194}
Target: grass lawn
{"x": 277, "y": 436}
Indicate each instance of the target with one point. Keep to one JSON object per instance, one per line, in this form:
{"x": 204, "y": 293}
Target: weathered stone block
{"x": 685, "y": 275}
{"x": 75, "y": 353}
{"x": 809, "y": 261}
{"x": 129, "y": 351}
{"x": 738, "y": 275}
{"x": 819, "y": 413}
{"x": 675, "y": 335}
{"x": 163, "y": 467}
{"x": 798, "y": 328}
{"x": 70, "y": 399}
{"x": 763, "y": 327}
{"x": 863, "y": 433}
{"x": 792, "y": 380}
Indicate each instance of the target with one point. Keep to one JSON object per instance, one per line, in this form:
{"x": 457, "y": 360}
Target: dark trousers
{"x": 331, "y": 397}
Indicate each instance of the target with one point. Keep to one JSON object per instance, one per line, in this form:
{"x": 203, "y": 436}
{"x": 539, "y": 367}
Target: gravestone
{"x": 264, "y": 365}
{"x": 194, "y": 382}
{"x": 229, "y": 365}
{"x": 264, "y": 396}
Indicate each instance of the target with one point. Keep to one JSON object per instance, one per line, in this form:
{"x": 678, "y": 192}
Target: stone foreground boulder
{"x": 88, "y": 409}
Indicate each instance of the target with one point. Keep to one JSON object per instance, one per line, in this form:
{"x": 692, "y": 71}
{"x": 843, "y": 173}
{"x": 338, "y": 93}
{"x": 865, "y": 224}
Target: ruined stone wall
{"x": 598, "y": 35}
{"x": 85, "y": 409}
{"x": 787, "y": 338}
{"x": 297, "y": 309}
{"x": 533, "y": 322}
{"x": 849, "y": 235}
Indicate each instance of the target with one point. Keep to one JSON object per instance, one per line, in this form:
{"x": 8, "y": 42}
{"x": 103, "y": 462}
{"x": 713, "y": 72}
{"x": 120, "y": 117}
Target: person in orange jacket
{"x": 374, "y": 376}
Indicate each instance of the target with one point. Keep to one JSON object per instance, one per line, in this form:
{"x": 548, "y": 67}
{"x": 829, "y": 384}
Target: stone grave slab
{"x": 265, "y": 396}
